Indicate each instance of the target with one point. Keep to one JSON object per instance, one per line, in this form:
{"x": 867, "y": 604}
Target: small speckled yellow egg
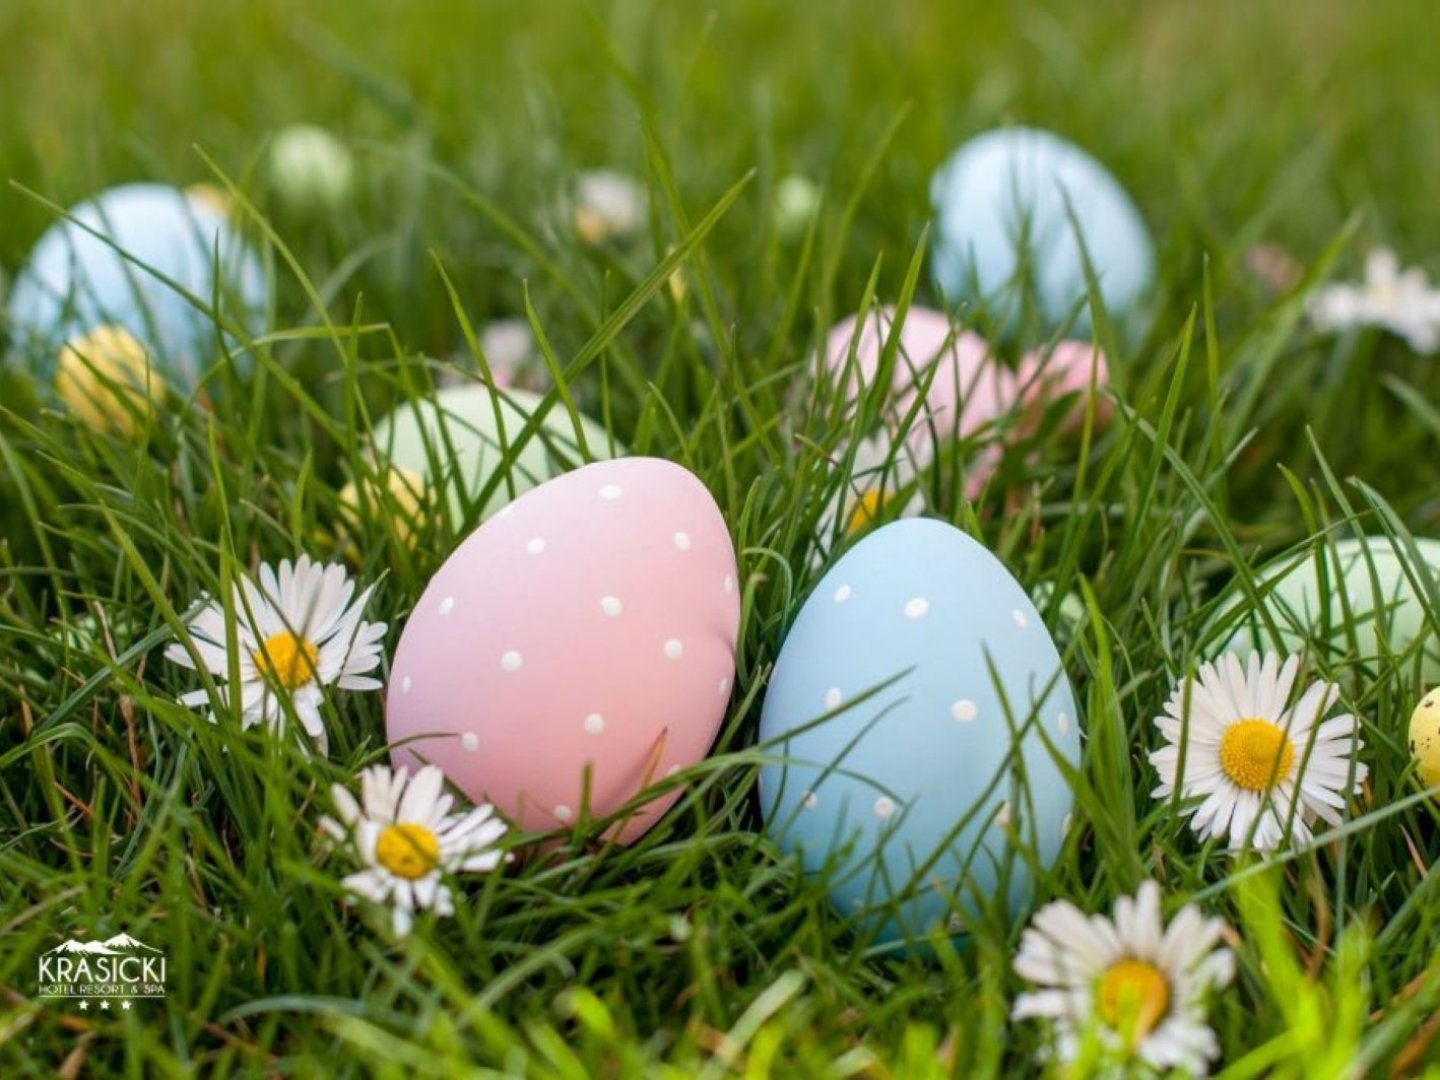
{"x": 107, "y": 380}
{"x": 1425, "y": 738}
{"x": 398, "y": 495}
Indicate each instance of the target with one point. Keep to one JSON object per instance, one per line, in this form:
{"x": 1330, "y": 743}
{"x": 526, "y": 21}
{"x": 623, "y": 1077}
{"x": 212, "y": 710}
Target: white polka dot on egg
{"x": 536, "y": 545}
{"x": 728, "y": 583}
{"x": 884, "y": 807}
{"x": 833, "y": 698}
{"x": 405, "y": 684}
{"x": 1021, "y": 619}
{"x": 917, "y": 608}
{"x": 682, "y": 541}
{"x": 611, "y": 606}
{"x": 723, "y": 687}
{"x": 511, "y": 661}
{"x": 810, "y": 801}
{"x": 563, "y": 813}
{"x": 447, "y": 605}
{"x": 1063, "y": 723}
{"x": 610, "y": 493}
{"x": 1002, "y": 816}
{"x": 843, "y": 593}
{"x": 674, "y": 649}
{"x": 470, "y": 741}
{"x": 594, "y": 724}
{"x": 964, "y": 710}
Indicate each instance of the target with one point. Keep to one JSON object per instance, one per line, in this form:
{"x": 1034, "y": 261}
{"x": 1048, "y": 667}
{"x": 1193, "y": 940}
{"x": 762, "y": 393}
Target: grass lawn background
{"x": 699, "y": 951}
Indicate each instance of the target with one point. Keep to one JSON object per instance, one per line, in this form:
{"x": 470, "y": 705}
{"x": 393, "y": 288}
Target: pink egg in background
{"x": 590, "y": 625}
{"x": 970, "y": 388}
{"x": 1066, "y": 370}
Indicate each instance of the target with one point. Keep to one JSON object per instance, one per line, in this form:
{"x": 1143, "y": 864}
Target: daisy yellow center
{"x": 1256, "y": 754}
{"x": 866, "y": 510}
{"x": 407, "y": 850}
{"x": 287, "y": 659}
{"x": 1132, "y": 997}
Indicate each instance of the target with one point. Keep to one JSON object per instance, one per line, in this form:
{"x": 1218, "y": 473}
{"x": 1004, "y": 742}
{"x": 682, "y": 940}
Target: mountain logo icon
{"x": 119, "y": 945}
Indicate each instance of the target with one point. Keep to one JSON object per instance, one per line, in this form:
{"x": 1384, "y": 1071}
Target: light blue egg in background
{"x": 1006, "y": 190}
{"x": 74, "y": 281}
{"x": 907, "y": 799}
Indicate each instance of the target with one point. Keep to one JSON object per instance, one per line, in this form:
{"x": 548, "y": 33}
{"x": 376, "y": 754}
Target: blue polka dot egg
{"x": 1005, "y": 193}
{"x": 77, "y": 281}
{"x": 915, "y": 721}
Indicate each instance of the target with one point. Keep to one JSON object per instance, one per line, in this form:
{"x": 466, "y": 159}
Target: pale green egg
{"x": 1070, "y": 615}
{"x": 466, "y": 442}
{"x": 1354, "y": 601}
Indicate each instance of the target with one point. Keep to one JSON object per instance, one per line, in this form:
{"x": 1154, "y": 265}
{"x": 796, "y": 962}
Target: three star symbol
{"x": 85, "y": 1006}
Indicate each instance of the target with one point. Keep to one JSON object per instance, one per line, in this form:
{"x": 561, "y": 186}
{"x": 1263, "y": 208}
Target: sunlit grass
{"x": 1238, "y": 434}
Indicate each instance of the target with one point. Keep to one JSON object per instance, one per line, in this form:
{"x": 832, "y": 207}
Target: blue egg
{"x": 1005, "y": 192}
{"x": 75, "y": 281}
{"x": 943, "y": 785}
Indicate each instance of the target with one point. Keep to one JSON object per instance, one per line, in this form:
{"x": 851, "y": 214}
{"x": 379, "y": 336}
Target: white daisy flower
{"x": 297, "y": 633}
{"x": 1400, "y": 301}
{"x": 1255, "y": 762}
{"x": 403, "y": 831}
{"x": 1138, "y": 985}
{"x": 607, "y": 203}
{"x": 883, "y": 474}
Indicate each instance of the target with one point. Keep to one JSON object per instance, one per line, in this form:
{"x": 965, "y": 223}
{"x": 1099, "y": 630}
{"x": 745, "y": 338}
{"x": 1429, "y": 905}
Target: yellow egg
{"x": 106, "y": 378}
{"x": 398, "y": 495}
{"x": 1425, "y": 738}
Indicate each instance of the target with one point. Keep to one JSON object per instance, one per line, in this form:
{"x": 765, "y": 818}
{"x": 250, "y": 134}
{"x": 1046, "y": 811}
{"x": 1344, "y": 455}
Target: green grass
{"x": 699, "y": 951}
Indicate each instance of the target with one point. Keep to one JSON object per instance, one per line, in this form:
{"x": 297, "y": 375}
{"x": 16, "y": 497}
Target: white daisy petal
{"x": 369, "y": 885}
{"x": 358, "y": 682}
{"x": 401, "y": 920}
{"x": 195, "y": 699}
{"x": 420, "y": 796}
{"x": 345, "y": 805}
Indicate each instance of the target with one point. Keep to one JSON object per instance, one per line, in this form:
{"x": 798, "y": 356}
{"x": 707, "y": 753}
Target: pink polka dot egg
{"x": 575, "y": 649}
